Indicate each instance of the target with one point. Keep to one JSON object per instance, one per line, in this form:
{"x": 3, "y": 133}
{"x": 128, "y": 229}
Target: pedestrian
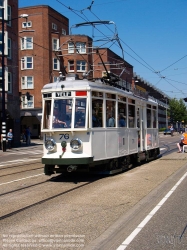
{"x": 182, "y": 142}
{"x": 10, "y": 138}
{"x": 28, "y": 136}
{"x": 172, "y": 130}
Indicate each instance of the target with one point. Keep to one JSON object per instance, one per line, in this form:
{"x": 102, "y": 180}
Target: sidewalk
{"x": 34, "y": 142}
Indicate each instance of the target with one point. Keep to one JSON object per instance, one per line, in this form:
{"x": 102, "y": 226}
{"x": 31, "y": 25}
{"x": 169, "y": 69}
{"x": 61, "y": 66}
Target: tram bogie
{"x": 98, "y": 128}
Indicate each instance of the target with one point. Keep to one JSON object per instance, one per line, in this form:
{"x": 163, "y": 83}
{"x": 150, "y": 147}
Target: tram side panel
{"x": 123, "y": 135}
{"x": 114, "y": 143}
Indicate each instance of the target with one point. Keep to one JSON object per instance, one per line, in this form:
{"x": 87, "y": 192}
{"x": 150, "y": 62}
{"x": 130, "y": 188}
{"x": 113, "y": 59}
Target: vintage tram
{"x": 97, "y": 127}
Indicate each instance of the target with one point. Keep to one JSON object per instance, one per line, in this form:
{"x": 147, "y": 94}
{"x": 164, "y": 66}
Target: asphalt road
{"x": 90, "y": 212}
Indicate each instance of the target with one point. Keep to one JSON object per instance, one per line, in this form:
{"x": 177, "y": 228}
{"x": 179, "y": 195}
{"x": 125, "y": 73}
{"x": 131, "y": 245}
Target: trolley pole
{"x": 3, "y": 84}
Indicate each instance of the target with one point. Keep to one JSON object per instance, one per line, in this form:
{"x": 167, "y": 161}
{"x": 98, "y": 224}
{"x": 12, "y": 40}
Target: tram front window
{"x": 62, "y": 113}
{"x": 47, "y": 114}
{"x": 80, "y": 113}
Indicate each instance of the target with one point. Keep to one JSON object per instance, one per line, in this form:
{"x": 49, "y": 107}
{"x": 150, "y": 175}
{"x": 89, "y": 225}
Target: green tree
{"x": 177, "y": 110}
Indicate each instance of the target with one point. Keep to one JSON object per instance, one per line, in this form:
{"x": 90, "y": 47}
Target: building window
{"x": 54, "y": 26}
{"x": 56, "y": 64}
{"x": 27, "y": 103}
{"x": 27, "y": 24}
{"x": 81, "y": 48}
{"x": 55, "y": 78}
{"x": 27, "y": 62}
{"x": 27, "y": 82}
{"x": 26, "y": 43}
{"x": 71, "y": 66}
{"x": 10, "y": 82}
{"x": 5, "y": 42}
{"x": 9, "y": 48}
{"x": 71, "y": 48}
{"x": 55, "y": 44}
{"x": 6, "y": 78}
{"x": 81, "y": 65}
{"x": 9, "y": 15}
{"x": 3, "y": 3}
{"x": 63, "y": 32}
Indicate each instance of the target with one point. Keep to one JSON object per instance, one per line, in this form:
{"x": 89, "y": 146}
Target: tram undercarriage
{"x": 108, "y": 167}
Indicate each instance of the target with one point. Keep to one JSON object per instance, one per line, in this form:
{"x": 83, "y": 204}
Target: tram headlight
{"x": 50, "y": 144}
{"x": 76, "y": 144}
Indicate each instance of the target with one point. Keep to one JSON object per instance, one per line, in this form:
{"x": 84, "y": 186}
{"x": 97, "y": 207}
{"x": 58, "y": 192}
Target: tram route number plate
{"x": 65, "y": 136}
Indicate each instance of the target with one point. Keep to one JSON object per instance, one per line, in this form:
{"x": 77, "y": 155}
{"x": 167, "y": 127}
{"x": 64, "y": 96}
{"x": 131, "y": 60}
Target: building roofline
{"x": 42, "y": 6}
{"x": 119, "y": 57}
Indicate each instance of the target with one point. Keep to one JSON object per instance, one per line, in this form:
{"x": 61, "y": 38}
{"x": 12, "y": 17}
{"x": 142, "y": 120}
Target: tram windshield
{"x": 63, "y": 115}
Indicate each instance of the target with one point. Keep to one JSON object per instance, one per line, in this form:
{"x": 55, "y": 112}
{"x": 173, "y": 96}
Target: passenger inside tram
{"x": 57, "y": 123}
{"x": 121, "y": 122}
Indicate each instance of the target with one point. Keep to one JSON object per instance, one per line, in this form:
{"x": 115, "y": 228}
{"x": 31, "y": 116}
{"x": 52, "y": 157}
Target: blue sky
{"x": 153, "y": 34}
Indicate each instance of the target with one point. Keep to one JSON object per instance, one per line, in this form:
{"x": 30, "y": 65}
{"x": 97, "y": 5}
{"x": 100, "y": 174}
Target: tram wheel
{"x": 48, "y": 169}
{"x": 125, "y": 162}
{"x": 113, "y": 164}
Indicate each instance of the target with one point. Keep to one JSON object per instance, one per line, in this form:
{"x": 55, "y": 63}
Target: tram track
{"x": 43, "y": 185}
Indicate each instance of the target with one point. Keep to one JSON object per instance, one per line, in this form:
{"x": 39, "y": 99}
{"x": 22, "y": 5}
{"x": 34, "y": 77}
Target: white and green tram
{"x": 82, "y": 138}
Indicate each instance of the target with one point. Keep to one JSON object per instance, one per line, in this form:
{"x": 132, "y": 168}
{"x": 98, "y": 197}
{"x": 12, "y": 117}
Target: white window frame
{"x": 27, "y": 24}
{"x": 27, "y": 104}
{"x": 69, "y": 65}
{"x": 10, "y": 82}
{"x": 71, "y": 48}
{"x": 5, "y": 4}
{"x": 80, "y": 48}
{"x": 81, "y": 64}
{"x": 54, "y": 26}
{"x": 6, "y": 78}
{"x": 9, "y": 48}
{"x": 55, "y": 44}
{"x": 63, "y": 32}
{"x": 24, "y": 62}
{"x": 25, "y": 43}
{"x": 56, "y": 64}
{"x": 5, "y": 43}
{"x": 25, "y": 80}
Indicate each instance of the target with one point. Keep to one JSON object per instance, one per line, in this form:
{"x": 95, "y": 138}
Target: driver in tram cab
{"x": 56, "y": 122}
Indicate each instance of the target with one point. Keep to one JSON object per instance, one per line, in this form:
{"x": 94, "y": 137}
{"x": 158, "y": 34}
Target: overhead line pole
{"x": 3, "y": 83}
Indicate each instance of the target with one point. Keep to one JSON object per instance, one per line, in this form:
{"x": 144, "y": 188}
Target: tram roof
{"x": 77, "y": 84}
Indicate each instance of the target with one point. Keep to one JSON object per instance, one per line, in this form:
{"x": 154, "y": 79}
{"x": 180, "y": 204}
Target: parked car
{"x": 167, "y": 132}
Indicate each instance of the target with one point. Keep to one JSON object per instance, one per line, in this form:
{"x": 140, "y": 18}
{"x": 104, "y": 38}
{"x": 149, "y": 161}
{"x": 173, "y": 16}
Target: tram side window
{"x": 110, "y": 113}
{"x": 47, "y": 114}
{"x": 131, "y": 116}
{"x": 148, "y": 118}
{"x": 154, "y": 119}
{"x": 97, "y": 113}
{"x": 122, "y": 122}
{"x": 80, "y": 112}
{"x": 62, "y": 113}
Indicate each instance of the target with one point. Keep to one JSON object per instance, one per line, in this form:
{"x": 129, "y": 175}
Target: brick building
{"x": 39, "y": 41}
{"x": 80, "y": 57}
{"x": 12, "y": 101}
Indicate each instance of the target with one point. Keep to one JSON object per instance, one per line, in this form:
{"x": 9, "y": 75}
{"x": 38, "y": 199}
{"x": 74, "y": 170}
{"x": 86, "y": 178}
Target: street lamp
{"x": 3, "y": 77}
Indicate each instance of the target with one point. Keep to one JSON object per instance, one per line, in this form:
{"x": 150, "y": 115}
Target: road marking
{"x": 130, "y": 238}
{"x": 21, "y": 179}
{"x": 162, "y": 149}
{"x": 16, "y": 161}
{"x": 26, "y": 152}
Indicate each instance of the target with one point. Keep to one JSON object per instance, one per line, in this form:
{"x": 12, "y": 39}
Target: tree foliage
{"x": 177, "y": 110}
